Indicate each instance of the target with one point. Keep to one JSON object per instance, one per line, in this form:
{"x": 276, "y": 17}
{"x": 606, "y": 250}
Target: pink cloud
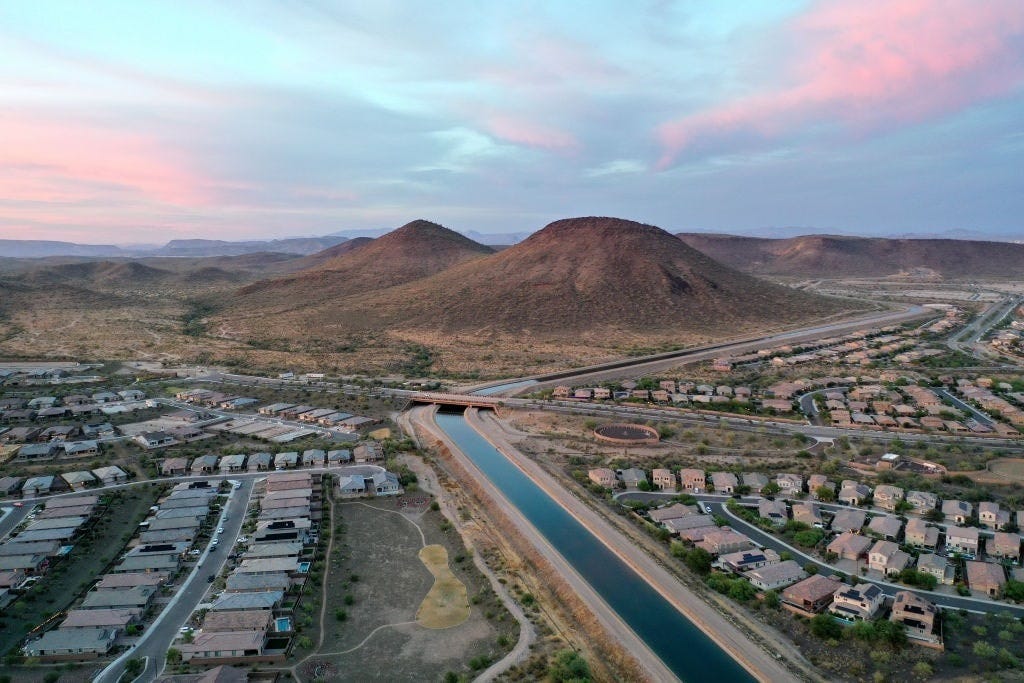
{"x": 529, "y": 133}
{"x": 870, "y": 66}
{"x": 61, "y": 161}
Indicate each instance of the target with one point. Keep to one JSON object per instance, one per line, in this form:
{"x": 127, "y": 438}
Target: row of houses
{"x": 253, "y": 462}
{"x": 240, "y": 621}
{"x": 46, "y": 484}
{"x": 46, "y": 536}
{"x": 325, "y": 417}
{"x": 120, "y": 601}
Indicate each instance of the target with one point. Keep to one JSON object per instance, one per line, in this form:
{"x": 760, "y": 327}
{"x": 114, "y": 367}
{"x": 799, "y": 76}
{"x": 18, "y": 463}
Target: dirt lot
{"x": 380, "y": 583}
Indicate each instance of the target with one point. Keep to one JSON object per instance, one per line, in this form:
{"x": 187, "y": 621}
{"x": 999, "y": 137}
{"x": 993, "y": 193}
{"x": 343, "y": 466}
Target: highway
{"x": 767, "y": 540}
{"x": 981, "y": 326}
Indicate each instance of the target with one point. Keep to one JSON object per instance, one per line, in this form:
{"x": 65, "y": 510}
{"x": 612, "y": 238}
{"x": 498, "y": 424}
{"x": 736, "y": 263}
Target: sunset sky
{"x": 138, "y": 122}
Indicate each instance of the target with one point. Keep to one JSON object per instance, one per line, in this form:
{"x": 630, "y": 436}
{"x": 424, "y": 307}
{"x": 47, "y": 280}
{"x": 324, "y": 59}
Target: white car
{"x": 220, "y": 530}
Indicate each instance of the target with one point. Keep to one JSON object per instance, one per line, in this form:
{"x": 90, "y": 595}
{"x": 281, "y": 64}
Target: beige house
{"x": 856, "y": 603}
{"x": 920, "y": 535}
{"x": 807, "y": 513}
{"x": 885, "y": 526}
{"x": 1005, "y": 545}
{"x": 693, "y": 480}
{"x": 853, "y": 493}
{"x": 848, "y": 520}
{"x": 790, "y": 484}
{"x": 602, "y": 476}
{"x": 886, "y": 557}
{"x": 849, "y": 546}
{"x": 812, "y": 595}
{"x": 917, "y": 615}
{"x": 773, "y": 510}
{"x": 992, "y": 516}
{"x": 724, "y": 482}
{"x": 888, "y": 497}
{"x": 937, "y": 566}
{"x": 663, "y": 479}
{"x": 922, "y": 501}
{"x": 957, "y": 511}
{"x": 962, "y": 540}
{"x": 985, "y": 577}
{"x": 724, "y": 540}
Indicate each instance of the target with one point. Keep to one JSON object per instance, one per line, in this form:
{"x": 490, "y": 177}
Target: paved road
{"x": 966, "y": 407}
{"x": 161, "y": 634}
{"x": 767, "y": 540}
{"x": 810, "y": 408}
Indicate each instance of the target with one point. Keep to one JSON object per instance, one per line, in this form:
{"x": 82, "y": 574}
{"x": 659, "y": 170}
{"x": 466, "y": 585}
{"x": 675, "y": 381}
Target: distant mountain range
{"x": 832, "y": 256}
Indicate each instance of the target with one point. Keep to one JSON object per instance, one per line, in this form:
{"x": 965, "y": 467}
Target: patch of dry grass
{"x": 447, "y": 603}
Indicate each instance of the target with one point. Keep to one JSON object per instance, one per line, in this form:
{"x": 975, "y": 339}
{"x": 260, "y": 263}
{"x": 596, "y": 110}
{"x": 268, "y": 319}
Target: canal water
{"x": 684, "y": 648}
{"x": 491, "y": 391}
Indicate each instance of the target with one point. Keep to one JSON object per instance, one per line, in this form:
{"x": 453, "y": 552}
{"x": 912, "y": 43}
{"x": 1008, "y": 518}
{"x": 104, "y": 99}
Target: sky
{"x": 143, "y": 121}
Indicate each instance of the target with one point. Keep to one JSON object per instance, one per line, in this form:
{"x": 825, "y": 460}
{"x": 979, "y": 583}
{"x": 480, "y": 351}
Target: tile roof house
{"x": 991, "y": 516}
{"x": 853, "y": 493}
{"x": 849, "y": 546}
{"x": 776, "y": 576}
{"x": 855, "y": 603}
{"x": 812, "y": 595}
{"x": 807, "y": 513}
{"x": 1004, "y": 545}
{"x": 755, "y": 480}
{"x": 888, "y": 497}
{"x": 674, "y": 511}
{"x": 848, "y": 520}
{"x": 773, "y": 510}
{"x": 83, "y": 643}
{"x": 110, "y": 475}
{"x": 917, "y": 615}
{"x": 692, "y": 480}
{"x": 724, "y": 540}
{"x": 963, "y": 540}
{"x": 885, "y": 526}
{"x": 224, "y": 645}
{"x": 957, "y": 511}
{"x": 985, "y": 577}
{"x": 724, "y": 482}
{"x": 937, "y": 566}
{"x": 923, "y": 501}
{"x": 663, "y": 479}
{"x": 791, "y": 484}
{"x": 745, "y": 560}
{"x": 921, "y": 535}
{"x": 174, "y": 467}
{"x": 886, "y": 557}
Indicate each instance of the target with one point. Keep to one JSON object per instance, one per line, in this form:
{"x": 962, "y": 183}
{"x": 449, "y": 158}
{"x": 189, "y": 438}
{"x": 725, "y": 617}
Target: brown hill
{"x": 329, "y": 254}
{"x": 414, "y": 251}
{"x": 830, "y": 256}
{"x": 587, "y": 277}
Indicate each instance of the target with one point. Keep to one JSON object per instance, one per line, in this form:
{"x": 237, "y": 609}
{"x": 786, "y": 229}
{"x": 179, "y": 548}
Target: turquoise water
{"x": 684, "y": 648}
{"x": 283, "y": 624}
{"x": 490, "y": 391}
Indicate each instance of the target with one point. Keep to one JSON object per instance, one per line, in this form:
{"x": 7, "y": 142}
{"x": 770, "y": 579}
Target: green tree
{"x": 173, "y": 655}
{"x": 569, "y": 667}
{"x": 825, "y": 627}
{"x": 1014, "y": 590}
{"x": 825, "y": 494}
{"x": 699, "y": 561}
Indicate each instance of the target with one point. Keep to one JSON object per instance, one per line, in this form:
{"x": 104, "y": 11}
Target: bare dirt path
{"x": 323, "y": 598}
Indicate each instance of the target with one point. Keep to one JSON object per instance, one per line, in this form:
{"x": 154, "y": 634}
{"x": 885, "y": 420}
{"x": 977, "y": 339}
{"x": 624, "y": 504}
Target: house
{"x": 922, "y": 501}
{"x": 849, "y": 546}
{"x": 937, "y": 566}
{"x": 812, "y": 595}
{"x": 80, "y": 449}
{"x": 985, "y": 577}
{"x": 286, "y": 460}
{"x": 158, "y": 439}
{"x": 809, "y": 514}
{"x": 885, "y": 526}
{"x": 101, "y": 618}
{"x": 110, "y": 475}
{"x": 917, "y": 615}
{"x": 247, "y": 583}
{"x": 130, "y": 580}
{"x": 855, "y": 603}
{"x": 265, "y": 600}
{"x": 174, "y": 467}
{"x": 692, "y": 480}
{"x": 256, "y": 620}
{"x": 724, "y": 482}
{"x": 314, "y": 457}
{"x": 78, "y": 480}
{"x": 724, "y": 540}
{"x": 675, "y": 511}
{"x": 1004, "y": 545}
{"x": 631, "y": 477}
{"x": 853, "y": 493}
{"x": 957, "y": 511}
{"x": 368, "y": 451}
{"x": 773, "y": 510}
{"x": 848, "y": 520}
{"x": 921, "y": 535}
{"x": 37, "y": 486}
{"x": 602, "y": 476}
{"x": 105, "y": 397}
{"x": 260, "y": 462}
{"x": 819, "y": 481}
{"x": 886, "y": 557}
{"x": 36, "y": 451}
{"x": 131, "y": 395}
{"x": 69, "y": 644}
{"x": 888, "y": 497}
{"x": 204, "y": 464}
{"x": 232, "y": 463}
{"x": 790, "y": 484}
{"x": 224, "y": 644}
{"x": 275, "y": 408}
{"x": 991, "y": 516}
{"x": 138, "y": 597}
{"x": 963, "y": 540}
{"x": 745, "y": 560}
{"x": 755, "y": 480}
{"x": 9, "y": 485}
{"x": 776, "y": 576}
{"x": 663, "y": 479}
